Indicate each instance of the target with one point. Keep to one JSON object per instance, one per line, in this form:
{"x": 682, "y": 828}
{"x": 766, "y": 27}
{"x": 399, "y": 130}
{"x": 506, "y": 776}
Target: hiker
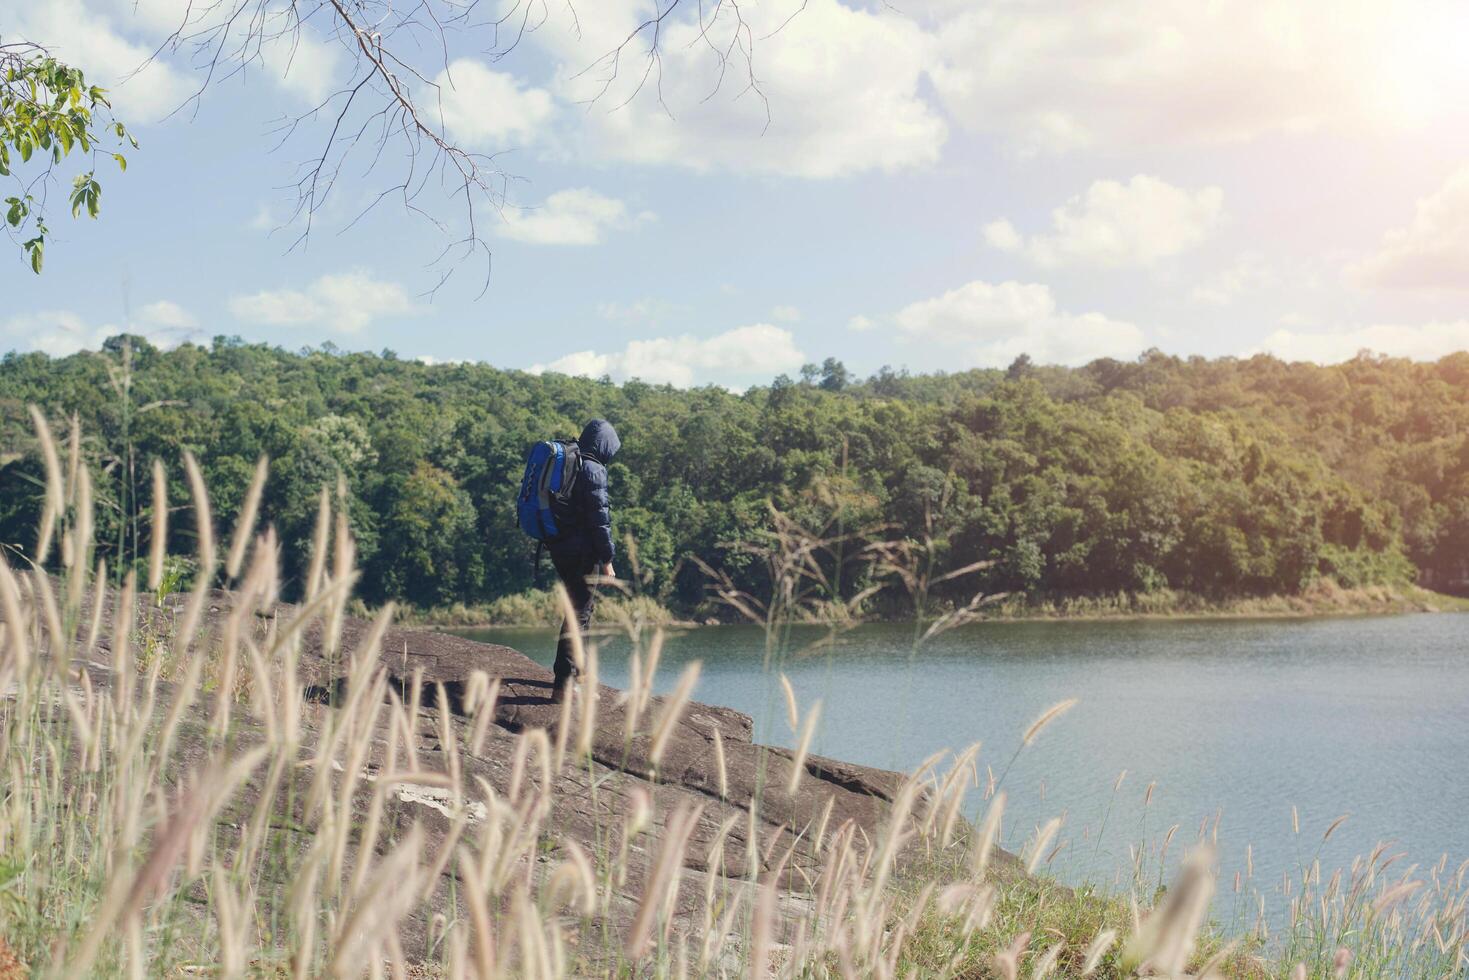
{"x": 564, "y": 505}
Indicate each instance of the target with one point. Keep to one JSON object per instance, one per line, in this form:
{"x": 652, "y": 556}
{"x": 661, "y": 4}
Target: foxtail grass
{"x": 214, "y": 811}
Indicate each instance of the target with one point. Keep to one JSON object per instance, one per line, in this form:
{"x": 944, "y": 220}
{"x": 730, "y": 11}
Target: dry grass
{"x": 123, "y": 860}
{"x": 11, "y": 967}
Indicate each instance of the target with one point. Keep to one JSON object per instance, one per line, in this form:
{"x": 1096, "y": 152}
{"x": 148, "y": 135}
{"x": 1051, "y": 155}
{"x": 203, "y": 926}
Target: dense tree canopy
{"x": 1224, "y": 477}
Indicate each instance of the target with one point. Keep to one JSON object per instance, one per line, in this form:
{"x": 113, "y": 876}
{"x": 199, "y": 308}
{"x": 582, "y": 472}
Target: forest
{"x": 1221, "y": 478}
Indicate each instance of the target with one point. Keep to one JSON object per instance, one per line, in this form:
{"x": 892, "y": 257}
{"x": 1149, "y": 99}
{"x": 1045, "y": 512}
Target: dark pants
{"x": 573, "y": 571}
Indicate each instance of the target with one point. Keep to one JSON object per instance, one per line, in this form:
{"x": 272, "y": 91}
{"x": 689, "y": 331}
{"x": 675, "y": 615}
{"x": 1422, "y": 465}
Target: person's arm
{"x": 599, "y": 518}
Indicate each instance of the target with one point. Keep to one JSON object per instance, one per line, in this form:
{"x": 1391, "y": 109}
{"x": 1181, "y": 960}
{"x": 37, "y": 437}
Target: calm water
{"x": 1367, "y": 716}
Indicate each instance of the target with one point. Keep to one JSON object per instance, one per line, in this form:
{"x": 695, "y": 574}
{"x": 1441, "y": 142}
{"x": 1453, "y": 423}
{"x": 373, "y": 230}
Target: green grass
{"x": 534, "y": 608}
{"x": 1324, "y": 598}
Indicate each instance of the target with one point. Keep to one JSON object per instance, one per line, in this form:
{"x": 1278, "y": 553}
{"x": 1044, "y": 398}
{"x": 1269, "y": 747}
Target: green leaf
{"x": 47, "y": 106}
{"x": 78, "y": 194}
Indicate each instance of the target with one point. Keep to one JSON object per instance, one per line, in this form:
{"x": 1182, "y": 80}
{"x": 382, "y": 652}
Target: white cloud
{"x": 487, "y": 108}
{"x": 1054, "y": 75}
{"x": 1432, "y": 252}
{"x": 80, "y": 34}
{"x": 576, "y": 216}
{"x": 1003, "y": 235}
{"x": 56, "y": 332}
{"x": 60, "y": 333}
{"x": 786, "y": 313}
{"x": 838, "y": 87}
{"x": 861, "y": 324}
{"x": 995, "y": 323}
{"x": 346, "y": 302}
{"x": 647, "y": 310}
{"x": 302, "y": 63}
{"x": 115, "y": 42}
{"x": 1115, "y": 224}
{"x": 754, "y": 352}
{"x": 167, "y": 313}
{"x": 299, "y": 61}
{"x": 1424, "y": 341}
{"x": 263, "y": 219}
{"x": 1249, "y": 271}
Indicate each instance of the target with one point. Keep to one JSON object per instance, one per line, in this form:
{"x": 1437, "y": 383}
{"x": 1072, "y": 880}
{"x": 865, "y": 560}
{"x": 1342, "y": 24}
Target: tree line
{"x": 1224, "y": 477}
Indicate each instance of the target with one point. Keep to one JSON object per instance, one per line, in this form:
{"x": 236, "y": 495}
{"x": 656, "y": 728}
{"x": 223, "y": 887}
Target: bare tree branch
{"x": 388, "y": 111}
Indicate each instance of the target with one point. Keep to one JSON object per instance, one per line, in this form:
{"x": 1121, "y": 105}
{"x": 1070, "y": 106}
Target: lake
{"x": 1239, "y": 719}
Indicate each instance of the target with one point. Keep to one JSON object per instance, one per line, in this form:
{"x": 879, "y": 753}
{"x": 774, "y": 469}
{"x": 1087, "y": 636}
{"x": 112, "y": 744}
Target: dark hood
{"x": 599, "y": 440}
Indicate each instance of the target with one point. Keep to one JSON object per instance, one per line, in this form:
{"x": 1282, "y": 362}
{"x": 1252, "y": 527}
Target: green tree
{"x": 48, "y": 112}
{"x": 1224, "y": 477}
{"x": 436, "y": 553}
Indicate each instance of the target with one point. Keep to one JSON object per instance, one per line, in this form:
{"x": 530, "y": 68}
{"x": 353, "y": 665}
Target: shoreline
{"x": 1322, "y": 601}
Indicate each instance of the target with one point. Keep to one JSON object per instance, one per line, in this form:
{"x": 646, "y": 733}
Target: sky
{"x": 930, "y": 185}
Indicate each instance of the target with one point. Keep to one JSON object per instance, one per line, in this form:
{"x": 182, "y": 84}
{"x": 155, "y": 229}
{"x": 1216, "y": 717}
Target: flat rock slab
{"x": 828, "y": 791}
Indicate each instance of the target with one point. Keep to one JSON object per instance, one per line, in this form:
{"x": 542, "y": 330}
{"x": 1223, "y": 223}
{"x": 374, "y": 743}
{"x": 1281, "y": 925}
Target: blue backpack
{"x": 551, "y": 469}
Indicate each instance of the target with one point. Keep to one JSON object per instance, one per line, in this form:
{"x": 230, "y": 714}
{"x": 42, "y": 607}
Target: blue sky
{"x": 939, "y": 186}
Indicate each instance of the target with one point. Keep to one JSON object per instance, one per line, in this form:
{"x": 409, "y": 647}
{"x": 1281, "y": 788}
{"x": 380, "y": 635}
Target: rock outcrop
{"x": 731, "y": 842}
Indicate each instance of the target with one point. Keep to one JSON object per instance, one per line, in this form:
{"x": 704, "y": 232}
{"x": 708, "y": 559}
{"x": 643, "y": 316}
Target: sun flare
{"x": 1419, "y": 67}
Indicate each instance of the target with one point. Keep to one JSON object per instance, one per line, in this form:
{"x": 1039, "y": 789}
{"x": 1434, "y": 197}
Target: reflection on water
{"x": 1235, "y": 719}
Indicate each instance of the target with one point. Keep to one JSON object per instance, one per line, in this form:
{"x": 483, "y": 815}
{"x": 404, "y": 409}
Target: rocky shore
{"x": 747, "y": 824}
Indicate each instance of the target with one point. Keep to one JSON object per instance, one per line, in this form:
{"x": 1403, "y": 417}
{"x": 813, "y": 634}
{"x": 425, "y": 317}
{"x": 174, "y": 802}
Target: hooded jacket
{"x": 590, "y": 529}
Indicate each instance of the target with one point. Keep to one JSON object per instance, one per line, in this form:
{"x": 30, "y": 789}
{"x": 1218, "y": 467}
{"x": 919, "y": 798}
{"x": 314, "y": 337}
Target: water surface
{"x": 1239, "y": 719}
